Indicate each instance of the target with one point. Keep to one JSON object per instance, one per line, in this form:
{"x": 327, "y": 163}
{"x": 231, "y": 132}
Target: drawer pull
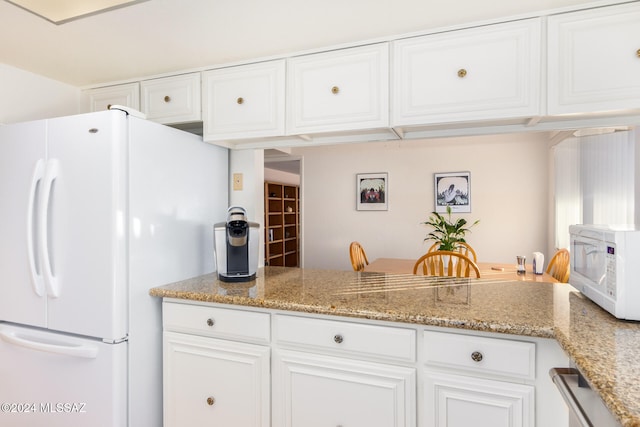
{"x": 638, "y": 53}
{"x": 335, "y": 90}
{"x": 167, "y": 98}
{"x": 338, "y": 338}
{"x": 462, "y": 72}
{"x": 240, "y": 100}
{"x": 210, "y": 401}
{"x": 210, "y": 322}
{"x": 476, "y": 356}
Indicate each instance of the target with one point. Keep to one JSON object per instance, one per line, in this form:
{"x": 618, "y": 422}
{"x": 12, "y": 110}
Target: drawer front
{"x": 346, "y": 338}
{"x": 346, "y": 89}
{"x": 244, "y": 102}
{"x": 479, "y": 73}
{"x": 103, "y": 98}
{"x": 216, "y": 322}
{"x": 484, "y": 355}
{"x": 172, "y": 100}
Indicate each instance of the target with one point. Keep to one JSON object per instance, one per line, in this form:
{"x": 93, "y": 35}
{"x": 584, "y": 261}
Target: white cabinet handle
{"x": 84, "y": 351}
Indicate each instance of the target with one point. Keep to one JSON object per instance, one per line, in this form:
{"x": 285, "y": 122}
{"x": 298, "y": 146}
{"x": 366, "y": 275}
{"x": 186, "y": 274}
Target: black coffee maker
{"x": 236, "y": 244}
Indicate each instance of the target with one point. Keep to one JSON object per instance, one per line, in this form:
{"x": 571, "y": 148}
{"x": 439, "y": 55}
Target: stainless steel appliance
{"x": 586, "y": 408}
{"x": 236, "y": 244}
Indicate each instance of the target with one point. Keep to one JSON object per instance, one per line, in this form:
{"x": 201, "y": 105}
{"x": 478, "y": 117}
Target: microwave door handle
{"x": 50, "y": 176}
{"x": 33, "y": 226}
{"x": 85, "y": 351}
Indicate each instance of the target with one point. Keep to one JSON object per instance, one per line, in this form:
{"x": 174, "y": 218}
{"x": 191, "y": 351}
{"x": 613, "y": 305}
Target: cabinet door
{"x": 211, "y": 382}
{"x": 172, "y": 100}
{"x": 244, "y": 102}
{"x": 490, "y": 72}
{"x": 127, "y": 95}
{"x": 594, "y": 60}
{"x": 313, "y": 391}
{"x": 457, "y": 401}
{"x": 346, "y": 89}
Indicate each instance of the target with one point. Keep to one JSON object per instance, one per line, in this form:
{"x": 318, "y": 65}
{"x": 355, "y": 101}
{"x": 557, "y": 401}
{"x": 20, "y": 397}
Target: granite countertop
{"x": 603, "y": 348}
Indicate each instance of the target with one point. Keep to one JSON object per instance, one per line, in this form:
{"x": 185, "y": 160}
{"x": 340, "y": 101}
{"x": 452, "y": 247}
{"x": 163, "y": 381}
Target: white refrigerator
{"x": 95, "y": 210}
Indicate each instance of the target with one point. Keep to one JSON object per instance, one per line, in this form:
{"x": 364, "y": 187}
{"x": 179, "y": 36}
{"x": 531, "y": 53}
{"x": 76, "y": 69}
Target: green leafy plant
{"x": 446, "y": 232}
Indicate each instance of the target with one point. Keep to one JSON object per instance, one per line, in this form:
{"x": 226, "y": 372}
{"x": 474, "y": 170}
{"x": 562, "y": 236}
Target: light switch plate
{"x": 237, "y": 181}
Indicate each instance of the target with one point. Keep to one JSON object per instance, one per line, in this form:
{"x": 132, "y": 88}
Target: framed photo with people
{"x": 372, "y": 191}
{"x": 452, "y": 189}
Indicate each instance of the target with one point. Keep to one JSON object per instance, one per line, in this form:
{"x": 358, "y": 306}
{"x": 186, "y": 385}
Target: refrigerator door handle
{"x": 50, "y": 280}
{"x": 84, "y": 350}
{"x": 32, "y": 227}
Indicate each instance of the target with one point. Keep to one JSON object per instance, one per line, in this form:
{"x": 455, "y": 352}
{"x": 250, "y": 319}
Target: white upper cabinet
{"x": 340, "y": 90}
{"x": 172, "y": 100}
{"x": 127, "y": 95}
{"x": 243, "y": 102}
{"x": 489, "y": 72}
{"x": 594, "y": 60}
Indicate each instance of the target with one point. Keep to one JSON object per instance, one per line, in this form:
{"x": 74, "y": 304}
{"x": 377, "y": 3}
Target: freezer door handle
{"x": 50, "y": 280}
{"x": 86, "y": 351}
{"x": 32, "y": 227}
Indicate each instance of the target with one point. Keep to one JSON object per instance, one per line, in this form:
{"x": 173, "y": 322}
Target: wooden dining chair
{"x": 446, "y": 263}
{"x": 463, "y": 247}
{"x": 559, "y": 266}
{"x": 358, "y": 256}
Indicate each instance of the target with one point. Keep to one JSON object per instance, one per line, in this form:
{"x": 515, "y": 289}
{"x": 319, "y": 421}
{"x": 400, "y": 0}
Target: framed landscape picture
{"x": 453, "y": 189}
{"x": 372, "y": 192}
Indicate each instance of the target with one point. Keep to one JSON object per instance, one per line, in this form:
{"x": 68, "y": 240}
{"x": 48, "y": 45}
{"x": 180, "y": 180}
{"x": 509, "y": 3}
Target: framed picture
{"x": 372, "y": 191}
{"x": 453, "y": 189}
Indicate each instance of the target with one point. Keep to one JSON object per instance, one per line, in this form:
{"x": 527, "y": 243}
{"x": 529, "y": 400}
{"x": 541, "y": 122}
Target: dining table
{"x": 488, "y": 270}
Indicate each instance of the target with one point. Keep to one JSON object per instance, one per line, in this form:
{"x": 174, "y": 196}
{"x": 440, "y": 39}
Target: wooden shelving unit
{"x": 281, "y": 224}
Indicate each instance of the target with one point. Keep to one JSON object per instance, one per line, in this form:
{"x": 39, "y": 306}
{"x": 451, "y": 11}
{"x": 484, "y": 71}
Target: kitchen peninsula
{"x": 489, "y": 314}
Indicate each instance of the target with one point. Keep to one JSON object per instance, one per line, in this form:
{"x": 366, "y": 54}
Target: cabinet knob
{"x": 210, "y": 401}
{"x": 638, "y": 53}
{"x": 108, "y": 106}
{"x": 335, "y": 90}
{"x": 240, "y": 101}
{"x": 476, "y": 356}
{"x": 338, "y": 338}
{"x": 462, "y": 72}
{"x": 210, "y": 322}
{"x": 167, "y": 98}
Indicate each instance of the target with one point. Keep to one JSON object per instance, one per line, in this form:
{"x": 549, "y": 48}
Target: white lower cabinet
{"x": 311, "y": 390}
{"x": 462, "y": 401}
{"x": 208, "y": 381}
{"x": 227, "y": 365}
{"x": 215, "y": 382}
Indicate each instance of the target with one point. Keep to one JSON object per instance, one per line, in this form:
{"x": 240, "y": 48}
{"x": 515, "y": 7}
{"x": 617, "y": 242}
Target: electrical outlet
{"x": 237, "y": 181}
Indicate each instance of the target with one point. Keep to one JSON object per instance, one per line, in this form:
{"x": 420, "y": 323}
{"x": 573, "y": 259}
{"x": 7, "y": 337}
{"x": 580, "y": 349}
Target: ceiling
{"x": 156, "y": 37}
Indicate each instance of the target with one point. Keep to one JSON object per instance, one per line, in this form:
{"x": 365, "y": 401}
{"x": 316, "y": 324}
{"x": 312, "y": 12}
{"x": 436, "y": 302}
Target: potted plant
{"x": 446, "y": 232}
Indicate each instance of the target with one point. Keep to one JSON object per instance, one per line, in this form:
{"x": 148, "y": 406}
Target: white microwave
{"x": 605, "y": 267}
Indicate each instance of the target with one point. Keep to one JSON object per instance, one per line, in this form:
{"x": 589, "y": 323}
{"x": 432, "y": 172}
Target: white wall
{"x": 508, "y": 195}
{"x": 26, "y": 96}
{"x": 280, "y": 176}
